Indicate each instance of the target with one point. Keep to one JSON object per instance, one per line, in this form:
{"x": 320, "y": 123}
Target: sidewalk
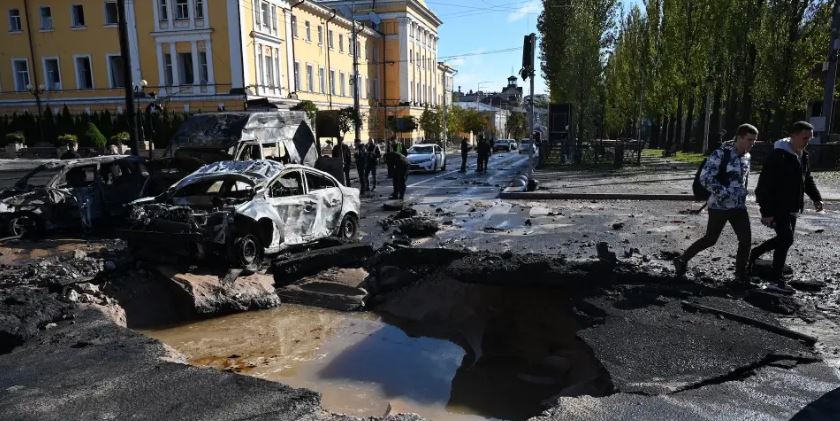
{"x": 656, "y": 178}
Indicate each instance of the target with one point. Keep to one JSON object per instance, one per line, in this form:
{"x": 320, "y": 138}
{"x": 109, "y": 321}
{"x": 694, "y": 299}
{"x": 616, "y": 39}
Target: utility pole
{"x": 831, "y": 71}
{"x": 128, "y": 81}
{"x": 356, "y": 123}
{"x": 35, "y": 89}
{"x": 529, "y": 70}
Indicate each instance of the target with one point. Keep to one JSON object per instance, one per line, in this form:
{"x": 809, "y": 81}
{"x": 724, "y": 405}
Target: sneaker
{"x": 781, "y": 287}
{"x": 680, "y": 267}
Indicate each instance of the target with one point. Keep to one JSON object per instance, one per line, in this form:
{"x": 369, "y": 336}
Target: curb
{"x": 601, "y": 196}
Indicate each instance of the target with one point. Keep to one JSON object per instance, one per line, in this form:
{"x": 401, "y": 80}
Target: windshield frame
{"x": 413, "y": 150}
{"x": 23, "y": 182}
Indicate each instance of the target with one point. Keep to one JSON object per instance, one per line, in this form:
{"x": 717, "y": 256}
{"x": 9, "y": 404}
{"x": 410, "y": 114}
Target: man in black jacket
{"x": 465, "y": 150}
{"x": 400, "y": 173}
{"x": 784, "y": 181}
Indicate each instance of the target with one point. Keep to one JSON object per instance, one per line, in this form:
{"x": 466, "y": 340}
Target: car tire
{"x": 349, "y": 229}
{"x": 246, "y": 252}
{"x": 23, "y": 226}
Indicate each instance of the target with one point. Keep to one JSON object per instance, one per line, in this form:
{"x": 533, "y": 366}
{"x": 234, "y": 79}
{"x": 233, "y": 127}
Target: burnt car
{"x": 83, "y": 192}
{"x": 242, "y": 211}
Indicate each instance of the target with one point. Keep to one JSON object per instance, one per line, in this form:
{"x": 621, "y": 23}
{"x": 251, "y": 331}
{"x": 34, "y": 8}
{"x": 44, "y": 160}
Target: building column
{"x": 235, "y": 38}
{"x": 191, "y": 5}
{"x": 134, "y": 50}
{"x": 211, "y": 74}
{"x": 173, "y": 53}
{"x": 161, "y": 67}
{"x": 196, "y": 64}
{"x": 290, "y": 54}
{"x": 405, "y": 89}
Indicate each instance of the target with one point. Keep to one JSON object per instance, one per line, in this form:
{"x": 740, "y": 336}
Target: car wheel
{"x": 349, "y": 228}
{"x": 23, "y": 226}
{"x": 247, "y": 252}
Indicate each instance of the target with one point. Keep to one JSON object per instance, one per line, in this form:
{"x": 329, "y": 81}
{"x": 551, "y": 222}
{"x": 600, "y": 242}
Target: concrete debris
{"x": 618, "y": 225}
{"x": 206, "y": 293}
{"x": 324, "y": 294}
{"x": 287, "y": 269}
{"x": 417, "y": 227}
{"x": 604, "y": 253}
{"x": 772, "y": 302}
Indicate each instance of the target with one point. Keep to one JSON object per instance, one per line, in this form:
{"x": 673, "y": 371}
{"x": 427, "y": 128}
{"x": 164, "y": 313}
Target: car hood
{"x": 15, "y": 201}
{"x": 419, "y": 157}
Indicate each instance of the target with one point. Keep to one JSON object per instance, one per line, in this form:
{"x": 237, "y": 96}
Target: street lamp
{"x": 37, "y": 92}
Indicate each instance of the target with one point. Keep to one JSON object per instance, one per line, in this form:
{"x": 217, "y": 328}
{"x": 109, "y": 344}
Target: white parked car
{"x": 241, "y": 211}
{"x": 504, "y": 145}
{"x": 426, "y": 157}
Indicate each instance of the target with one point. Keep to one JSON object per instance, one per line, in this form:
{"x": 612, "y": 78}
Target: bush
{"x": 308, "y": 106}
{"x": 120, "y": 138}
{"x": 68, "y": 138}
{"x": 93, "y": 137}
{"x": 14, "y": 137}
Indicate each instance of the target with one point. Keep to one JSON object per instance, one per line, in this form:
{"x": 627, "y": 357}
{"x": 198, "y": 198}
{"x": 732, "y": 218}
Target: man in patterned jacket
{"x": 727, "y": 202}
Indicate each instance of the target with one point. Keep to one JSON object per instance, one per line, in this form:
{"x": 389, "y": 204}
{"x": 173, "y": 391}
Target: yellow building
{"x": 208, "y": 55}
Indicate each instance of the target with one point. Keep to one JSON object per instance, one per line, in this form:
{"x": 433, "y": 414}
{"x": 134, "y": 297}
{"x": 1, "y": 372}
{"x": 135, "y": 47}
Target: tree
{"x": 67, "y": 138}
{"x": 431, "y": 122}
{"x": 307, "y": 106}
{"x": 515, "y": 125}
{"x": 93, "y": 137}
{"x": 473, "y": 121}
{"x": 348, "y": 118}
{"x": 14, "y": 137}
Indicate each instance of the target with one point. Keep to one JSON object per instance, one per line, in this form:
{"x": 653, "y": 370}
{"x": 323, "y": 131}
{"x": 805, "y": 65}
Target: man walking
{"x": 400, "y": 173}
{"x": 784, "y": 181}
{"x": 373, "y": 154}
{"x": 361, "y": 157}
{"x": 465, "y": 150}
{"x": 725, "y": 176}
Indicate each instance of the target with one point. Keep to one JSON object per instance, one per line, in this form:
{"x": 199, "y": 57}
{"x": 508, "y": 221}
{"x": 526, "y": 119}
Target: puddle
{"x": 360, "y": 364}
{"x": 366, "y": 366}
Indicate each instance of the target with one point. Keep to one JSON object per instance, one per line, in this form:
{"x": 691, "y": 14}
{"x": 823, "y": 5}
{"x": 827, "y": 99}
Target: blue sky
{"x": 482, "y": 29}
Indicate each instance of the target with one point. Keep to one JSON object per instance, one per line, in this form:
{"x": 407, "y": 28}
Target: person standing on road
{"x": 465, "y": 150}
{"x": 727, "y": 202}
{"x": 373, "y": 154}
{"x": 483, "y": 151}
{"x": 400, "y": 173}
{"x": 784, "y": 181}
{"x": 72, "y": 151}
{"x": 361, "y": 157}
{"x": 343, "y": 151}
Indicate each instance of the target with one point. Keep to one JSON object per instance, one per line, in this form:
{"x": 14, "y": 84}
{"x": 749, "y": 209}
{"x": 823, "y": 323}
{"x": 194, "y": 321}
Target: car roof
{"x": 58, "y": 163}
{"x": 425, "y": 144}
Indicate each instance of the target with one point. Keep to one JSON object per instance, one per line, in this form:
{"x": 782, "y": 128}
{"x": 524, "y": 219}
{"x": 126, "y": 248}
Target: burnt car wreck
{"x": 242, "y": 211}
{"x": 75, "y": 193}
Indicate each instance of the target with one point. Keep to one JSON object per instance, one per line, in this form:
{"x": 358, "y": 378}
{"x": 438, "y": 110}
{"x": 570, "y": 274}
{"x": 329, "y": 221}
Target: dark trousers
{"x": 399, "y": 179}
{"x": 784, "y": 225}
{"x": 740, "y": 221}
{"x": 480, "y": 163}
{"x": 347, "y": 175}
{"x": 371, "y": 176}
{"x": 463, "y": 162}
{"x": 363, "y": 182}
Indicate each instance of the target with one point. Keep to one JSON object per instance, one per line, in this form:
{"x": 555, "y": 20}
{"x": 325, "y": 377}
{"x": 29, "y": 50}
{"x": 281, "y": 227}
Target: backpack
{"x": 700, "y": 192}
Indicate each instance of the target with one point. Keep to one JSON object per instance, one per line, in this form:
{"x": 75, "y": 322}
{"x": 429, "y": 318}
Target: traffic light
{"x": 528, "y": 55}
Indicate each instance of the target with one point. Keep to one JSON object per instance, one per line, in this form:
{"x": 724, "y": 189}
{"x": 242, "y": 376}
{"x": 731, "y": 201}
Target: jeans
{"x": 784, "y": 225}
{"x": 740, "y": 221}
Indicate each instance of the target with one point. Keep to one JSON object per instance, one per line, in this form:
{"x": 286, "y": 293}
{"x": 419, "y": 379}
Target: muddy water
{"x": 360, "y": 364}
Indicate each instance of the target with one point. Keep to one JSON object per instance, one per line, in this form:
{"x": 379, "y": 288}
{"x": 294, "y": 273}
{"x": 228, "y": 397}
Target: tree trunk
{"x": 714, "y": 126}
{"x": 689, "y": 124}
{"x": 680, "y": 124}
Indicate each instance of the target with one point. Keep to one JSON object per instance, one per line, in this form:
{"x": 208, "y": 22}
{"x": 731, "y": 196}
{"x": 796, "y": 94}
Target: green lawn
{"x": 689, "y": 157}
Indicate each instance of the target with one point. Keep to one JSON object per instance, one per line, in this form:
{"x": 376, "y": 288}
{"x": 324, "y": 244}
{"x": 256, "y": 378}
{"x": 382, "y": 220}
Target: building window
{"x": 185, "y": 69}
{"x": 269, "y": 71}
{"x": 265, "y": 16}
{"x": 332, "y": 82}
{"x": 294, "y": 26}
{"x": 310, "y": 84}
{"x": 182, "y": 9}
{"x": 321, "y": 80}
{"x": 199, "y": 9}
{"x": 46, "y": 18}
{"x": 112, "y": 15}
{"x": 84, "y": 76}
{"x": 330, "y": 39}
{"x": 14, "y": 20}
{"x": 115, "y": 66}
{"x": 340, "y": 43}
{"x": 320, "y": 35}
{"x": 343, "y": 82}
{"x": 21, "y": 74}
{"x": 168, "y": 73}
{"x": 52, "y": 74}
{"x": 203, "y": 69}
{"x": 297, "y": 76}
{"x": 163, "y": 10}
{"x": 273, "y": 19}
{"x": 78, "y": 16}
{"x": 308, "y": 31}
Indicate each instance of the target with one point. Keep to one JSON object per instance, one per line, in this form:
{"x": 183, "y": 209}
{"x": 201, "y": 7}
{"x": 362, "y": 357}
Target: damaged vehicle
{"x": 242, "y": 211}
{"x": 282, "y": 135}
{"x": 83, "y": 192}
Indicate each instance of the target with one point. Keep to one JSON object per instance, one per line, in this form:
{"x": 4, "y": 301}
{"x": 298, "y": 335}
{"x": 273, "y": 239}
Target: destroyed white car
{"x": 241, "y": 211}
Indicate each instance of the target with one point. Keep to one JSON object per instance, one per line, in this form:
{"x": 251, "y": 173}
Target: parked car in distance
{"x": 242, "y": 211}
{"x": 505, "y": 145}
{"x": 426, "y": 157}
{"x": 527, "y": 146}
{"x": 75, "y": 193}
